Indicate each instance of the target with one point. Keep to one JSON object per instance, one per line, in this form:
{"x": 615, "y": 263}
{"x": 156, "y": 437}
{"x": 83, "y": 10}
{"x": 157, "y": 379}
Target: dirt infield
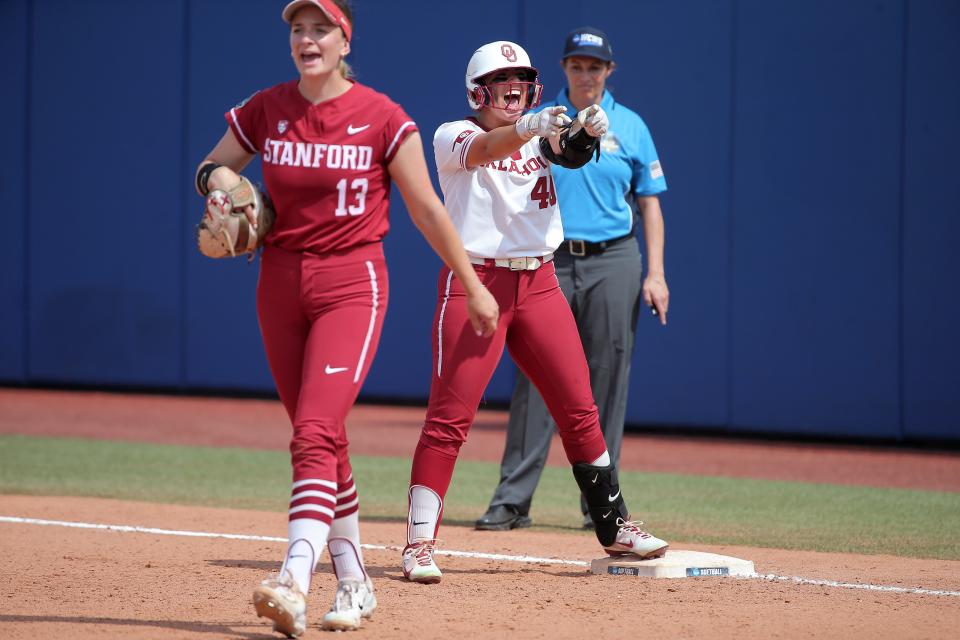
{"x": 71, "y": 583}
{"x": 79, "y": 583}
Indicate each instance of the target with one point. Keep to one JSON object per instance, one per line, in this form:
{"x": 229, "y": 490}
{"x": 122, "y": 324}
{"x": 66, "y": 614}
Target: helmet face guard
{"x": 528, "y": 94}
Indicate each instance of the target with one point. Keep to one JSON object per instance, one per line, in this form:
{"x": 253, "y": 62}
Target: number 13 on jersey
{"x": 543, "y": 191}
{"x": 358, "y": 189}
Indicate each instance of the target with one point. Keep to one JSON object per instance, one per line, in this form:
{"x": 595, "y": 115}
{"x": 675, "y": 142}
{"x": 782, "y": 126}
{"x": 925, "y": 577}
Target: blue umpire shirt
{"x": 594, "y": 199}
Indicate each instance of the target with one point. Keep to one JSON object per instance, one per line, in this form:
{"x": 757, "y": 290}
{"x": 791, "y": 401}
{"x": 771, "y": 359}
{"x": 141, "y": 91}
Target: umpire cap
{"x": 590, "y": 42}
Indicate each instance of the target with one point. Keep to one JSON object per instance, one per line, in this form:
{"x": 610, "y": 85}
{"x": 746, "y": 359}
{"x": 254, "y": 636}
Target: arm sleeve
{"x": 246, "y": 121}
{"x": 451, "y": 143}
{"x": 574, "y": 152}
{"x": 648, "y": 178}
{"x": 398, "y": 128}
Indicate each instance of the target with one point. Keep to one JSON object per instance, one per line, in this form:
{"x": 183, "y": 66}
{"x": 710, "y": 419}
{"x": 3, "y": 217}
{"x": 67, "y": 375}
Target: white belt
{"x": 516, "y": 264}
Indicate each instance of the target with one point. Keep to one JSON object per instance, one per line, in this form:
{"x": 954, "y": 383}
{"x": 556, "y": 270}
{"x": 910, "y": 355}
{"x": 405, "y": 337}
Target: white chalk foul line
{"x": 855, "y": 585}
{"x": 459, "y": 554}
{"x": 242, "y": 536}
{"x": 128, "y": 529}
{"x": 500, "y": 556}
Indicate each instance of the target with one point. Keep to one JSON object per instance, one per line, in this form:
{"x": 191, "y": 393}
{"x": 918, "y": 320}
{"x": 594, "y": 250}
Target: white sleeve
{"x": 451, "y": 143}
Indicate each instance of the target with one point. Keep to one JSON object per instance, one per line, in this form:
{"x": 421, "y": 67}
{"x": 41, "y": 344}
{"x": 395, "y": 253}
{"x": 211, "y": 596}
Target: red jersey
{"x": 325, "y": 165}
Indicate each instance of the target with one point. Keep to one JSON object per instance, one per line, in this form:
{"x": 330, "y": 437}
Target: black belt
{"x": 580, "y": 248}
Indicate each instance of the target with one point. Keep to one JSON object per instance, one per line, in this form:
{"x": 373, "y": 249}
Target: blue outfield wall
{"x": 814, "y": 273}
{"x": 809, "y": 147}
{"x": 930, "y": 225}
{"x": 103, "y": 178}
{"x": 221, "y": 339}
{"x": 14, "y": 26}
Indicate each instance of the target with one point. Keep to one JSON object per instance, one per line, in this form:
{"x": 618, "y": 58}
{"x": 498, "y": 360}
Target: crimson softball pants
{"x": 321, "y": 317}
{"x": 538, "y": 328}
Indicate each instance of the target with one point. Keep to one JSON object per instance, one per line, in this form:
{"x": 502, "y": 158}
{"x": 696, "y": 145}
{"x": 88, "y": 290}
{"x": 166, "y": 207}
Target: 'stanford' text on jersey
{"x": 503, "y": 209}
{"x": 316, "y": 155}
{"x": 324, "y": 165}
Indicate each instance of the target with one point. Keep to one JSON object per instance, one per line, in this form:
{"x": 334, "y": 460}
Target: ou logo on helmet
{"x": 508, "y": 53}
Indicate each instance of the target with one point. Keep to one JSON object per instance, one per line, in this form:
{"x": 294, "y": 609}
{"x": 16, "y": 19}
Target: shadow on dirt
{"x": 226, "y": 629}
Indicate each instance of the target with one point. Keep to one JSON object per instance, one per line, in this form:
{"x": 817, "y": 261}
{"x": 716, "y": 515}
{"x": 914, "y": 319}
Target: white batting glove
{"x": 545, "y": 123}
{"x": 593, "y": 119}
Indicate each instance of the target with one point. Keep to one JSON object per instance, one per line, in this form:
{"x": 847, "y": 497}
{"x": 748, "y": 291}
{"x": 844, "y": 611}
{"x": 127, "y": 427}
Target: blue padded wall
{"x": 222, "y": 346}
{"x": 105, "y": 135}
{"x": 14, "y": 43}
{"x": 931, "y": 222}
{"x": 815, "y": 217}
{"x": 809, "y": 147}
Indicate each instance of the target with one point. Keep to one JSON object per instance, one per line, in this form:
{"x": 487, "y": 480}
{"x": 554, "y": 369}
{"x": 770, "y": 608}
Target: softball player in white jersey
{"x": 495, "y": 175}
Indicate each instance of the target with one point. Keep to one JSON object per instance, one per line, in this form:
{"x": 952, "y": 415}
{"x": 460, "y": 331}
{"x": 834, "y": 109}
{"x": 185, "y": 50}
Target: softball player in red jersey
{"x": 494, "y": 170}
{"x": 329, "y": 148}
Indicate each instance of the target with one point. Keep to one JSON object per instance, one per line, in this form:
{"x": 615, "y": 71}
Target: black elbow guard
{"x": 575, "y": 151}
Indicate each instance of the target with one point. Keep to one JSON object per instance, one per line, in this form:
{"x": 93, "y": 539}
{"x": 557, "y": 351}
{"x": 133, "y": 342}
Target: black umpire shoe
{"x": 502, "y": 517}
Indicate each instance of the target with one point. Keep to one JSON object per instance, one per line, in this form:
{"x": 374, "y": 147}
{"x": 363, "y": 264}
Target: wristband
{"x": 522, "y": 127}
{"x": 203, "y": 175}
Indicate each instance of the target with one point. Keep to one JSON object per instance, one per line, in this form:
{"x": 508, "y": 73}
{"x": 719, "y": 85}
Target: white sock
{"x": 346, "y": 560}
{"x": 348, "y": 527}
{"x": 424, "y": 513}
{"x": 602, "y": 461}
{"x": 307, "y": 537}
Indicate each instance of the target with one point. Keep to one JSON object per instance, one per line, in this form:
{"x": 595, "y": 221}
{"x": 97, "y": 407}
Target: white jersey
{"x": 503, "y": 209}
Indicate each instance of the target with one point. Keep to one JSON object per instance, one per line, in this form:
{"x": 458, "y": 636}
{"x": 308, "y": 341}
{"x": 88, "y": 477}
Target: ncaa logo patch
{"x": 588, "y": 39}
{"x": 508, "y": 53}
{"x": 282, "y": 126}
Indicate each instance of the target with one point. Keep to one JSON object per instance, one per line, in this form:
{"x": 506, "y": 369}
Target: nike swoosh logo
{"x": 337, "y": 555}
{"x": 594, "y": 481}
{"x": 607, "y": 514}
{"x": 418, "y": 523}
{"x": 330, "y": 369}
{"x": 352, "y": 130}
{"x": 613, "y": 497}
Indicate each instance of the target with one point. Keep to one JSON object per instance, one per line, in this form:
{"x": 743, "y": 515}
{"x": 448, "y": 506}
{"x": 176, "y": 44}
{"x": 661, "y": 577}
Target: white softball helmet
{"x": 497, "y": 56}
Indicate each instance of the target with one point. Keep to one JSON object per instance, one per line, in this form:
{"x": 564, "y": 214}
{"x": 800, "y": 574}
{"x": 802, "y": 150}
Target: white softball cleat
{"x": 633, "y": 540}
{"x": 418, "y": 564}
{"x": 353, "y": 602}
{"x": 279, "y": 599}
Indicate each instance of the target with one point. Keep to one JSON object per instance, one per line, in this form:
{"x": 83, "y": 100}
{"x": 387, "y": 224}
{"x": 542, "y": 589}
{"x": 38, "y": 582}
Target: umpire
{"x": 599, "y": 268}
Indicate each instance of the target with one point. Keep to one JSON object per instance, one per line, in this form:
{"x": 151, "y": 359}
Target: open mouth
{"x": 307, "y": 58}
{"x": 511, "y": 100}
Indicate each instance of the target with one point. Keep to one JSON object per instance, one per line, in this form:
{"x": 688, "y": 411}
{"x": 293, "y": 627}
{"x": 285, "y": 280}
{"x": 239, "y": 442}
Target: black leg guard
{"x": 601, "y": 490}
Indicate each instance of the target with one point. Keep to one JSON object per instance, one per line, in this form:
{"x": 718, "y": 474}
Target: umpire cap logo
{"x": 588, "y": 39}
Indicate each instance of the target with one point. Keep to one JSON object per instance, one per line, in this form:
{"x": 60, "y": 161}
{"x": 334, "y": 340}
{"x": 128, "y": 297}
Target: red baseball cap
{"x": 330, "y": 9}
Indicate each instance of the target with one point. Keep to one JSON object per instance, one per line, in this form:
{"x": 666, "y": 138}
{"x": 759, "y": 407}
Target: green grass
{"x": 680, "y": 508}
